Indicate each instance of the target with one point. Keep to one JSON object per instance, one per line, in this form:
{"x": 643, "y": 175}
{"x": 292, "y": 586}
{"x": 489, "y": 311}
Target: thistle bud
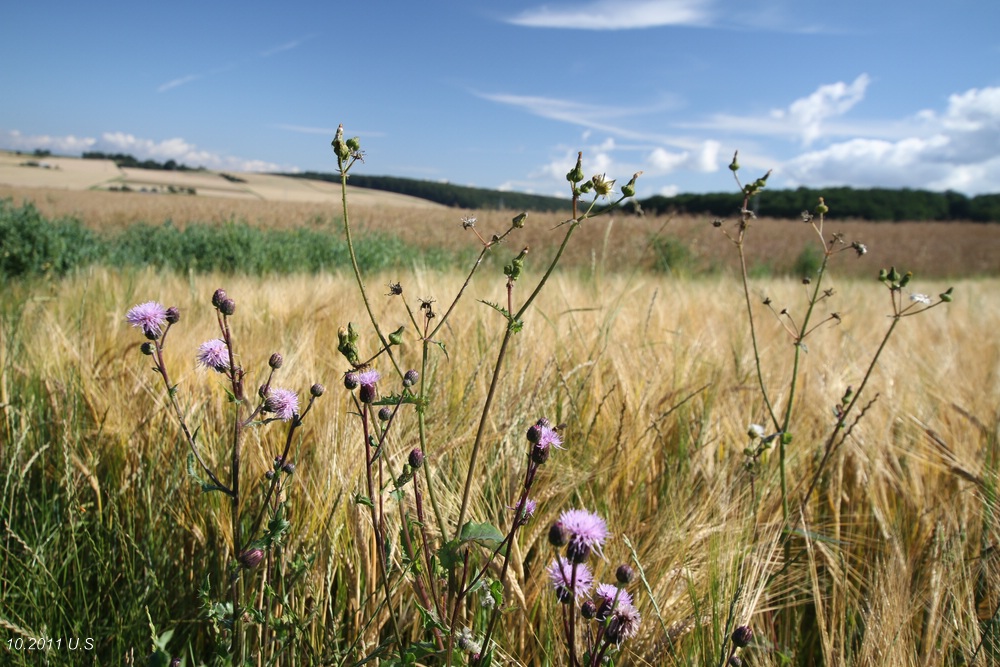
{"x": 275, "y": 361}
{"x": 147, "y": 348}
{"x": 575, "y": 174}
{"x": 317, "y": 390}
{"x": 385, "y": 413}
{"x": 354, "y": 143}
{"x": 367, "y": 393}
{"x": 629, "y": 188}
{"x": 946, "y": 295}
{"x": 218, "y": 297}
{"x": 558, "y": 535}
{"x": 624, "y": 574}
{"x": 518, "y": 221}
{"x": 822, "y": 208}
{"x": 734, "y": 166}
{"x": 173, "y": 315}
{"x": 410, "y": 378}
{"x": 396, "y": 337}
{"x": 227, "y": 307}
{"x": 351, "y": 381}
{"x": 742, "y": 636}
{"x": 288, "y": 468}
{"x": 588, "y": 609}
{"x": 251, "y": 558}
{"x": 416, "y": 459}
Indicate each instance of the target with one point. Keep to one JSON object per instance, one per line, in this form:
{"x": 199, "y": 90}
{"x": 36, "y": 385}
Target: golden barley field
{"x": 653, "y": 378}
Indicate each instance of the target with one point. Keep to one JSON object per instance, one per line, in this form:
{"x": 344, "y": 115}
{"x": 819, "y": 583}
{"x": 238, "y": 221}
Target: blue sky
{"x": 503, "y": 94}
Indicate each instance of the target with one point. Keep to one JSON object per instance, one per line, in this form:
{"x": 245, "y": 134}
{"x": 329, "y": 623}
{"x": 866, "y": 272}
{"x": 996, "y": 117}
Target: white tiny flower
{"x": 755, "y": 431}
{"x": 920, "y": 298}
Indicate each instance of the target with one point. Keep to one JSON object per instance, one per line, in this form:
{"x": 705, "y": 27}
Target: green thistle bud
{"x": 586, "y": 187}
{"x": 883, "y": 275}
{"x": 734, "y": 166}
{"x": 354, "y": 143}
{"x": 946, "y": 295}
{"x": 575, "y": 174}
{"x": 628, "y": 189}
{"x": 340, "y": 147}
{"x": 786, "y": 438}
{"x": 904, "y": 281}
{"x": 148, "y": 348}
{"x": 396, "y": 337}
{"x": 348, "y": 344}
{"x": 518, "y": 221}
{"x": 822, "y": 208}
{"x": 894, "y": 274}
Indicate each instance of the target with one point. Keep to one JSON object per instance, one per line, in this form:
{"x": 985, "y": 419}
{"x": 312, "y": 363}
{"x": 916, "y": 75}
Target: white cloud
{"x": 176, "y": 149}
{"x": 807, "y": 118}
{"x": 835, "y": 99}
{"x": 16, "y": 141}
{"x": 616, "y": 14}
{"x": 958, "y": 149}
{"x": 704, "y": 158}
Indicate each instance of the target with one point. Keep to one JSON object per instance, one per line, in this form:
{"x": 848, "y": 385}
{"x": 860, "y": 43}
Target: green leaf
{"x": 360, "y": 499}
{"x": 482, "y": 533}
{"x": 449, "y": 555}
{"x": 500, "y": 309}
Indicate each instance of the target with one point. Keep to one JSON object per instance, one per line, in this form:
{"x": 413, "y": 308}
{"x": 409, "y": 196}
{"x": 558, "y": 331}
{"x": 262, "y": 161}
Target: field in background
{"x": 653, "y": 377}
{"x": 680, "y": 245}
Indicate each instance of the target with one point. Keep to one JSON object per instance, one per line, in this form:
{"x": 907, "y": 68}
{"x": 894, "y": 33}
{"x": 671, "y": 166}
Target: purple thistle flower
{"x": 608, "y": 592}
{"x": 587, "y": 533}
{"x": 527, "y": 512}
{"x": 368, "y": 377}
{"x": 151, "y": 316}
{"x": 214, "y": 354}
{"x": 284, "y": 403}
{"x": 567, "y": 587}
{"x": 624, "y": 623}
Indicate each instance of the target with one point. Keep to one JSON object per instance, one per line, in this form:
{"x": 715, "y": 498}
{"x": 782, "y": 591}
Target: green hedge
{"x": 33, "y": 245}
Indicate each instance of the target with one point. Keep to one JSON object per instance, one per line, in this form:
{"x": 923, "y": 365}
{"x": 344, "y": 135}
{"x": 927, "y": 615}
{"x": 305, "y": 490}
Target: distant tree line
{"x": 459, "y": 196}
{"x": 129, "y": 161}
{"x": 877, "y": 204}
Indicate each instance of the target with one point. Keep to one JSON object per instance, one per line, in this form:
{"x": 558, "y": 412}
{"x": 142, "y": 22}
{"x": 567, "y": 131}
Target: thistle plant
{"x": 447, "y": 561}
{"x": 597, "y": 619}
{"x": 258, "y": 526}
{"x": 800, "y": 325}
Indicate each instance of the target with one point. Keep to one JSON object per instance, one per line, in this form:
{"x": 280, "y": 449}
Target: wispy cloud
{"x": 616, "y": 14}
{"x": 325, "y": 131}
{"x": 164, "y": 87}
{"x": 808, "y": 118}
{"x": 175, "y": 83}
{"x": 287, "y": 46}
